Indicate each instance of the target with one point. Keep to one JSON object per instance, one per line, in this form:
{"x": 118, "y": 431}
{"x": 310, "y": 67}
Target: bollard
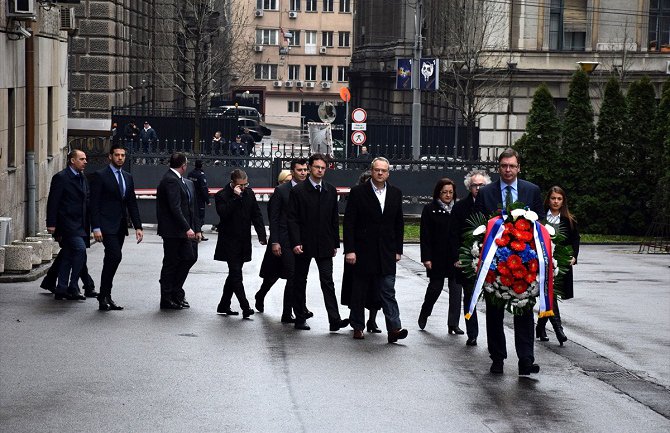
{"x": 18, "y": 258}
{"x": 46, "y": 251}
{"x": 36, "y": 257}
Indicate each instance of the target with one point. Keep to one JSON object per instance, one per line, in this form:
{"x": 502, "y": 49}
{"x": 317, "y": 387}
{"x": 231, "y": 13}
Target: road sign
{"x": 359, "y": 115}
{"x": 345, "y": 94}
{"x": 358, "y": 138}
{"x": 359, "y": 126}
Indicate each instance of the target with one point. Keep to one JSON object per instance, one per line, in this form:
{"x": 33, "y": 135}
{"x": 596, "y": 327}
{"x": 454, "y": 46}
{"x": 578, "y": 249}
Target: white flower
{"x": 522, "y": 303}
{"x": 550, "y": 229}
{"x": 479, "y": 230}
{"x": 475, "y": 249}
{"x": 506, "y": 296}
{"x": 530, "y": 215}
{"x": 516, "y": 213}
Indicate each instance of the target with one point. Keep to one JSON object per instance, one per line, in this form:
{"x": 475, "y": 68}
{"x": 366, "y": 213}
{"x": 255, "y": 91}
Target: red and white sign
{"x": 359, "y": 115}
{"x": 358, "y": 138}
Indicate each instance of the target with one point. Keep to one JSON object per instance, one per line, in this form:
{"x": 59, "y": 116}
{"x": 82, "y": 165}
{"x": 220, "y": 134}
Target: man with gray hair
{"x": 462, "y": 210}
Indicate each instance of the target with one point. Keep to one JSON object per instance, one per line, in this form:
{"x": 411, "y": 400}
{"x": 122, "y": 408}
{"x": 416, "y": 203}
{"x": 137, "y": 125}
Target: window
{"x": 265, "y": 71}
{"x": 342, "y": 73}
{"x": 327, "y": 5}
{"x": 310, "y": 42}
{"x": 310, "y": 5}
{"x": 345, "y": 5}
{"x": 270, "y": 5}
{"x": 294, "y": 40}
{"x": 267, "y": 37}
{"x": 567, "y": 25}
{"x": 326, "y": 73}
{"x": 294, "y": 5}
{"x": 343, "y": 39}
{"x": 310, "y": 72}
{"x": 659, "y": 26}
{"x": 294, "y": 106}
{"x": 326, "y": 39}
{"x": 293, "y": 72}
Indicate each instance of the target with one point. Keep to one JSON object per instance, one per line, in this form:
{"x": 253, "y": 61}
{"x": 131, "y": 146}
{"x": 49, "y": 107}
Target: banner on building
{"x": 429, "y": 74}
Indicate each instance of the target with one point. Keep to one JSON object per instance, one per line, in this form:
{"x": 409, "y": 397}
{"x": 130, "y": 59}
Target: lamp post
{"x": 588, "y": 67}
{"x": 416, "y": 91}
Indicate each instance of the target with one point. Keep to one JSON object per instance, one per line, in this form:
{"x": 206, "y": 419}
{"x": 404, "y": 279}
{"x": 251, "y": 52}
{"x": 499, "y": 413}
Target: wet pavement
{"x": 67, "y": 367}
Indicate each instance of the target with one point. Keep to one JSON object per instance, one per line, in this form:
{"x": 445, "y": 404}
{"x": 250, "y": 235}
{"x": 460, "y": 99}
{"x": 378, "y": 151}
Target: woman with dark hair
{"x": 560, "y": 217}
{"x": 439, "y": 253}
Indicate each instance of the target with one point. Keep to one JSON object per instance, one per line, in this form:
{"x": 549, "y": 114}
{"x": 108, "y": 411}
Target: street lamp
{"x": 588, "y": 67}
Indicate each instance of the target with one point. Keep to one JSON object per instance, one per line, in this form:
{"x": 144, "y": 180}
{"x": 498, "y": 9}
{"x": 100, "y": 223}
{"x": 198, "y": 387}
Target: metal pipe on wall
{"x": 31, "y": 187}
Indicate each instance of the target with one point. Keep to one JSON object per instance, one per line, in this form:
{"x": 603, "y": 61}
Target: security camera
{"x": 23, "y": 32}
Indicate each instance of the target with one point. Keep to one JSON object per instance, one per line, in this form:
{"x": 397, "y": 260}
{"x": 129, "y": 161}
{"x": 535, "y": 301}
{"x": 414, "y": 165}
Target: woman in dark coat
{"x": 560, "y": 217}
{"x": 237, "y": 208}
{"x": 439, "y": 252}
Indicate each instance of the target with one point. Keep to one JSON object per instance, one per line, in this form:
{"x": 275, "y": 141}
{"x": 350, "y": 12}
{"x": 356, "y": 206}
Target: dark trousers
{"x": 201, "y": 211}
{"x": 288, "y": 269}
{"x": 74, "y": 258}
{"x": 113, "y": 255}
{"x": 234, "y": 284}
{"x": 179, "y": 255}
{"x": 523, "y": 335}
{"x": 49, "y": 281}
{"x": 325, "y": 265}
{"x": 555, "y": 319}
{"x": 471, "y": 325}
{"x": 433, "y": 292}
{"x": 384, "y": 288}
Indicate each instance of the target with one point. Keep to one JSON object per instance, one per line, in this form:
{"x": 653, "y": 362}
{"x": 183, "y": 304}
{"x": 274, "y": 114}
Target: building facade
{"x": 33, "y": 111}
{"x": 516, "y": 46}
{"x": 300, "y": 51}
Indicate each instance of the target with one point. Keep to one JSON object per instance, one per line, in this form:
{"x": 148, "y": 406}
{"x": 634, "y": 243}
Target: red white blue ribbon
{"x": 494, "y": 230}
{"x": 546, "y": 269}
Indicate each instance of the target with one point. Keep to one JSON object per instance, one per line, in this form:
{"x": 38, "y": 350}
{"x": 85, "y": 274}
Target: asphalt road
{"x": 67, "y": 367}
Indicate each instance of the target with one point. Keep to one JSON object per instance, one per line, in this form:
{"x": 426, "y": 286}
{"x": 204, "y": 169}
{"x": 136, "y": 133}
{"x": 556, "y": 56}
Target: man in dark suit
{"x": 112, "y": 199}
{"x": 68, "y": 221}
{"x": 373, "y": 243}
{"x": 280, "y": 245}
{"x": 179, "y": 226}
{"x": 313, "y": 228}
{"x": 497, "y": 195}
{"x": 462, "y": 210}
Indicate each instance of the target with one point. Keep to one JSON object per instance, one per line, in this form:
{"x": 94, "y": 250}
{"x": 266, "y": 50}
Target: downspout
{"x": 31, "y": 189}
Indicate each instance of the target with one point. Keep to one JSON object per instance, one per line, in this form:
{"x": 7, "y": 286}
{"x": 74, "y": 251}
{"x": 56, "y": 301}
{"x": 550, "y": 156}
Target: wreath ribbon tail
{"x": 546, "y": 270}
{"x": 494, "y": 230}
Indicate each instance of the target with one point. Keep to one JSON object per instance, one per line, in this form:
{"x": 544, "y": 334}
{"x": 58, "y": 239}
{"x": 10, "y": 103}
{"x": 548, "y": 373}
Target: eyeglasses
{"x": 477, "y": 185}
{"x": 509, "y": 166}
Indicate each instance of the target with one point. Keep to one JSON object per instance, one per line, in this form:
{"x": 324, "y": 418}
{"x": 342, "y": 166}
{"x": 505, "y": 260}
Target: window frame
{"x": 293, "y": 107}
{"x": 293, "y": 72}
{"x": 327, "y": 73}
{"x": 327, "y": 38}
{"x": 310, "y": 72}
{"x": 271, "y": 67}
{"x": 345, "y": 35}
{"x": 328, "y": 6}
{"x": 342, "y": 74}
{"x": 345, "y": 6}
{"x": 311, "y": 6}
{"x": 270, "y": 33}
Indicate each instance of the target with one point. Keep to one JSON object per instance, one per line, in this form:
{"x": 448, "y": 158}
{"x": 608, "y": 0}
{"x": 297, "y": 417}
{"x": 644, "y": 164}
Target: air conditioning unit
{"x": 277, "y": 84}
{"x": 67, "y": 21}
{"x": 299, "y": 84}
{"x": 293, "y": 14}
{"x": 258, "y": 48}
{"x": 259, "y": 13}
{"x": 21, "y": 8}
{"x": 288, "y": 83}
{"x": 310, "y": 84}
{"x": 325, "y": 85}
{"x": 323, "y": 50}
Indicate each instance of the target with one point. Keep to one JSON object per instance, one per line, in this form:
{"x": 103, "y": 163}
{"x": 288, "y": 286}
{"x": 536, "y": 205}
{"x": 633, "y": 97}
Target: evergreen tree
{"x": 639, "y": 153}
{"x": 604, "y": 212}
{"x": 577, "y": 147}
{"x": 661, "y": 202}
{"x": 538, "y": 147}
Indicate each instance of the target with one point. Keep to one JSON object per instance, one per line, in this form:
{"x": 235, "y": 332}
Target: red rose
{"x": 490, "y": 277}
{"x": 506, "y": 280}
{"x": 522, "y": 225}
{"x": 514, "y": 261}
{"x": 518, "y": 245}
{"x": 519, "y": 286}
{"x": 530, "y": 277}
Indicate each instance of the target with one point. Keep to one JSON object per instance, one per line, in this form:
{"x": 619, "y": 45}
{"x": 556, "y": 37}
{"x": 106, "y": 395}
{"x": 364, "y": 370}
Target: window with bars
{"x": 310, "y": 72}
{"x": 265, "y": 71}
{"x": 344, "y": 39}
{"x": 659, "y": 26}
{"x": 267, "y": 37}
{"x": 326, "y": 39}
{"x": 567, "y": 25}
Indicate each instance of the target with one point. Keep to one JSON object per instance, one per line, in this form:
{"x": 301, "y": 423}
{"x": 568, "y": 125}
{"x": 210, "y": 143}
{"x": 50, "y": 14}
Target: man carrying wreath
{"x": 499, "y": 195}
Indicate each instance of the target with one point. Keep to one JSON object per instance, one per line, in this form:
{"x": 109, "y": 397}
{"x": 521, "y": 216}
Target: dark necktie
{"x": 508, "y": 195}
{"x": 318, "y": 188}
{"x": 119, "y": 179}
{"x": 80, "y": 178}
{"x": 188, "y": 192}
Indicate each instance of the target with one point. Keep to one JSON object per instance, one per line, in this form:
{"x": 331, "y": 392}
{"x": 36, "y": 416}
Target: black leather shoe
{"x": 287, "y": 319}
{"x": 560, "y": 336}
{"x": 44, "y": 286}
{"x": 76, "y": 297}
{"x": 169, "y": 305}
{"x": 60, "y": 296}
{"x": 113, "y": 305}
{"x": 91, "y": 293}
{"x": 397, "y": 334}
{"x": 247, "y": 313}
{"x": 226, "y": 311}
{"x": 260, "y": 305}
{"x": 496, "y": 367}
{"x": 456, "y": 330}
{"x": 308, "y": 314}
{"x": 302, "y": 326}
{"x": 422, "y": 321}
{"x": 541, "y": 333}
{"x": 184, "y": 303}
{"x": 336, "y": 326}
{"x": 372, "y": 327}
{"x": 471, "y": 342}
{"x": 526, "y": 370}
{"x": 204, "y": 239}
{"x": 358, "y": 334}
{"x": 103, "y": 305}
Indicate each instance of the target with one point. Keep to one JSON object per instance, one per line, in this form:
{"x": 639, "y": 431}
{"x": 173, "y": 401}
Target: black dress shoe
{"x": 60, "y": 296}
{"x": 103, "y": 305}
{"x": 358, "y": 334}
{"x": 302, "y": 326}
{"x": 260, "y": 307}
{"x": 287, "y": 319}
{"x": 169, "y": 305}
{"x": 308, "y": 314}
{"x": 76, "y": 297}
{"x": 113, "y": 305}
{"x": 526, "y": 370}
{"x": 184, "y": 303}
{"x": 247, "y": 313}
{"x": 455, "y": 330}
{"x": 336, "y": 326}
{"x": 226, "y": 311}
{"x": 496, "y": 367}
{"x": 204, "y": 239}
{"x": 541, "y": 333}
{"x": 471, "y": 342}
{"x": 422, "y": 321}
{"x": 91, "y": 293}
{"x": 560, "y": 336}
{"x": 372, "y": 327}
{"x": 397, "y": 334}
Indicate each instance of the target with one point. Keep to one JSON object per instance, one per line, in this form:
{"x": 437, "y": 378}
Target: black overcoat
{"x": 439, "y": 240}
{"x": 68, "y": 205}
{"x": 313, "y": 219}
